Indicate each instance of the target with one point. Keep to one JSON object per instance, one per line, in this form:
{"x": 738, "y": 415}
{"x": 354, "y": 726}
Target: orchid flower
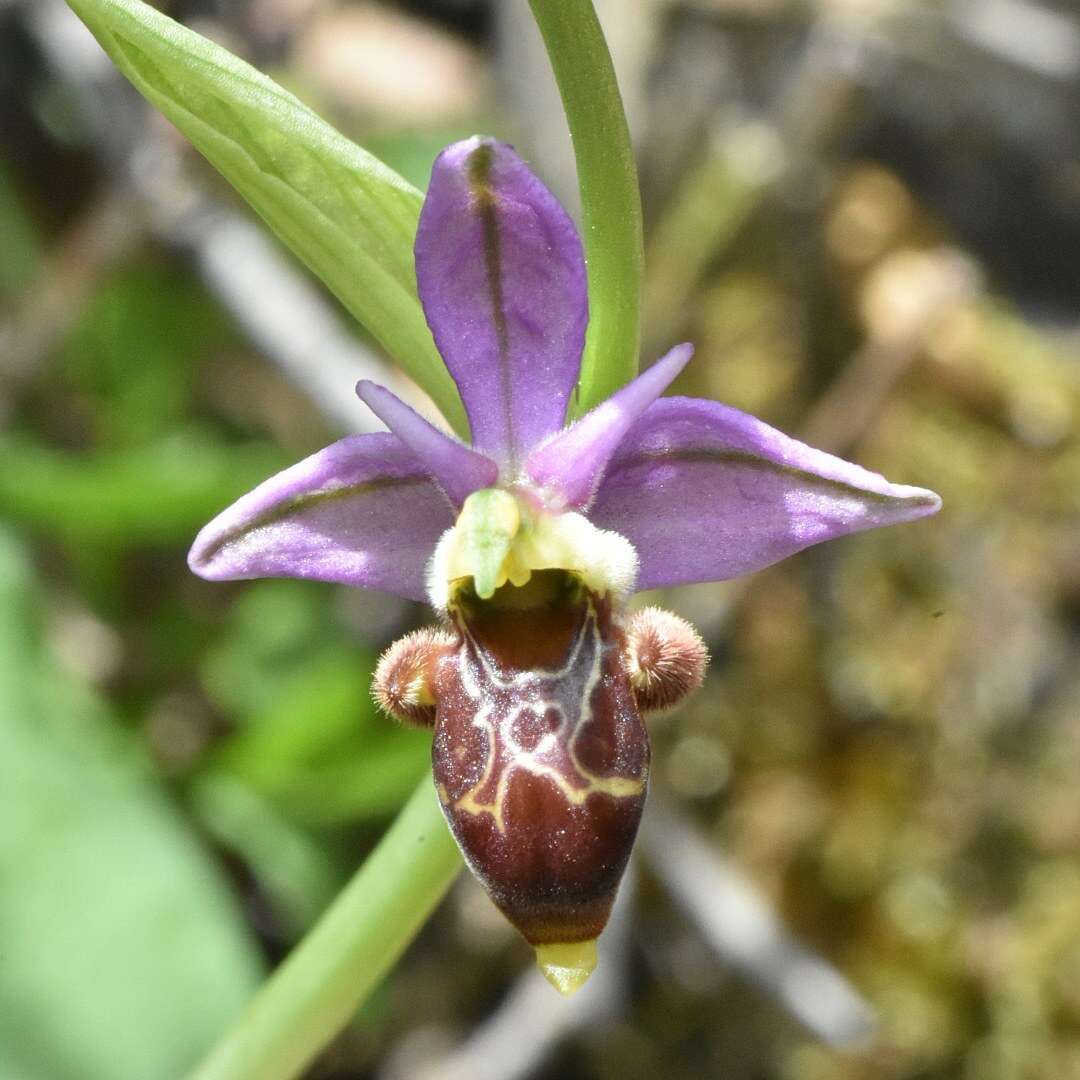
{"x": 530, "y": 541}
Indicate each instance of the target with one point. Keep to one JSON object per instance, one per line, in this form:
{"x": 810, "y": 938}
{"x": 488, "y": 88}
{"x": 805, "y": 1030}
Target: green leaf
{"x": 351, "y": 219}
{"x": 123, "y": 954}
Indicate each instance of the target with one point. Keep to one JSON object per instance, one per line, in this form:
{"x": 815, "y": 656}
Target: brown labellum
{"x": 540, "y": 754}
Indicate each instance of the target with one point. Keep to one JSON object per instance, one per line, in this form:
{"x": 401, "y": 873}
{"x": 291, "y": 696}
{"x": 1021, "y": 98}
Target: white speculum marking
{"x": 507, "y": 699}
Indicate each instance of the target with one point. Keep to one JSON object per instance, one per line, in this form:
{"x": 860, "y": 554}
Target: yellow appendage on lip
{"x": 567, "y": 966}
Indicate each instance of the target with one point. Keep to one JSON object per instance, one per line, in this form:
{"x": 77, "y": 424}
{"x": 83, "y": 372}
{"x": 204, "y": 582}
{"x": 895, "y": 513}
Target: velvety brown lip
{"x": 541, "y": 759}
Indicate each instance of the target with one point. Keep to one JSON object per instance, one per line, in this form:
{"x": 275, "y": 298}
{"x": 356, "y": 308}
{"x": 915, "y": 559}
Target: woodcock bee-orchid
{"x": 530, "y": 542}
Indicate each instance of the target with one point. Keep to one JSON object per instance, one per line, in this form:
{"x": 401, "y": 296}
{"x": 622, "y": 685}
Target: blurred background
{"x": 862, "y": 856}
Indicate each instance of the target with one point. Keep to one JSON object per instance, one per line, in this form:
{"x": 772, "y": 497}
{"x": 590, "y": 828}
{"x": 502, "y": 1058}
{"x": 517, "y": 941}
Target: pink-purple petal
{"x": 706, "y": 493}
{"x": 568, "y": 468}
{"x": 501, "y": 276}
{"x": 458, "y": 470}
{"x": 364, "y": 511}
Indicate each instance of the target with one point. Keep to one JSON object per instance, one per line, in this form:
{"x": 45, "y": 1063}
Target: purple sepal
{"x": 706, "y": 493}
{"x": 569, "y": 466}
{"x": 458, "y": 470}
{"x": 364, "y": 511}
{"x": 501, "y": 276}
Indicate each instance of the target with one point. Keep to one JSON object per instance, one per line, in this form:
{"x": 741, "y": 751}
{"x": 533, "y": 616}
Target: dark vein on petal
{"x": 480, "y": 183}
{"x": 299, "y": 503}
{"x": 704, "y": 456}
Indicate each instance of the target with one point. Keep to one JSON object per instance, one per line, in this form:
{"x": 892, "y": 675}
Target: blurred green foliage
{"x": 309, "y": 738}
{"x": 123, "y": 952}
{"x": 18, "y": 241}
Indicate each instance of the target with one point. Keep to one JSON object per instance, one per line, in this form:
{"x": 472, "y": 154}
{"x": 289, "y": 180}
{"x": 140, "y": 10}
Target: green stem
{"x": 356, "y": 942}
{"x": 610, "y": 199}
